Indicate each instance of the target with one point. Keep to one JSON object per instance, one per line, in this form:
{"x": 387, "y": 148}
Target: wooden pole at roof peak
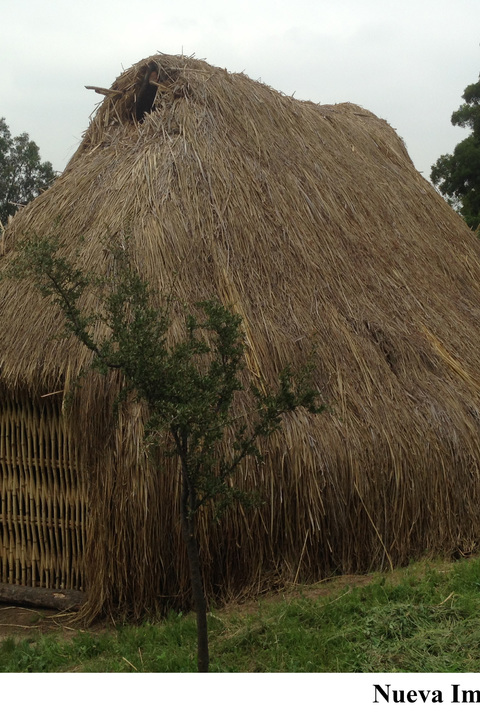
{"x": 104, "y": 91}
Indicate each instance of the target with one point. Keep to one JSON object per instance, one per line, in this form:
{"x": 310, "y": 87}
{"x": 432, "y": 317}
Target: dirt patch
{"x": 324, "y": 588}
{"x": 25, "y": 622}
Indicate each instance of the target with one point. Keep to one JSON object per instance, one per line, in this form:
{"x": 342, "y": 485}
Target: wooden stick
{"x": 103, "y": 91}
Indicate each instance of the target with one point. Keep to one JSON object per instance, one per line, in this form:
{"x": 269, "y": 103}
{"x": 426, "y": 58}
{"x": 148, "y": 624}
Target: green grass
{"x": 425, "y": 618}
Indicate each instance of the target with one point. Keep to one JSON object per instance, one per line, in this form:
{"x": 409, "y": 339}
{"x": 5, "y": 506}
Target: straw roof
{"x": 312, "y": 221}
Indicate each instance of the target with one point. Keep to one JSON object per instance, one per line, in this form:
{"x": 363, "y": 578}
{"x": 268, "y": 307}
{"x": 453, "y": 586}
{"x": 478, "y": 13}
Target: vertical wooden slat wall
{"x": 42, "y": 497}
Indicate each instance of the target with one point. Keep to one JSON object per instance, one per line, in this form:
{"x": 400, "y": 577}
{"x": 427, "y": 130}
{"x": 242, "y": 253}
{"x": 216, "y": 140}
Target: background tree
{"x": 188, "y": 387}
{"x": 457, "y": 176}
{"x": 22, "y": 174}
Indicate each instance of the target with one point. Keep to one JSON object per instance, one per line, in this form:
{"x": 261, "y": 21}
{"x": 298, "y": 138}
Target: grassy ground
{"x": 425, "y": 618}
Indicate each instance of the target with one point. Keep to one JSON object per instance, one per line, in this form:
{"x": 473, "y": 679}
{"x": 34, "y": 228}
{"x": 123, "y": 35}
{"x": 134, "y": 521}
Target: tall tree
{"x": 457, "y": 176}
{"x": 22, "y": 174}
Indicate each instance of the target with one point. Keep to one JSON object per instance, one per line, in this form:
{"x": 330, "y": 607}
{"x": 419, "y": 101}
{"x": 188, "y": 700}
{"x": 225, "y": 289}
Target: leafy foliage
{"x": 188, "y": 387}
{"x": 22, "y": 174}
{"x": 458, "y": 175}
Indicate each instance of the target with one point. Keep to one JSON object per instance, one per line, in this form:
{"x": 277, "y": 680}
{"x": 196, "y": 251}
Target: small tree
{"x": 22, "y": 174}
{"x": 188, "y": 387}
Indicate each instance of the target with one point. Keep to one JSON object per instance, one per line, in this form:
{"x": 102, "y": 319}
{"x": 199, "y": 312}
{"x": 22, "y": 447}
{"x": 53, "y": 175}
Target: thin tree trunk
{"x": 188, "y": 529}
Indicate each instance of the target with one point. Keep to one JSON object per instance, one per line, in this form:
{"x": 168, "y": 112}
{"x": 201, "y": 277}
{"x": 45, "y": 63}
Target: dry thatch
{"x": 313, "y": 223}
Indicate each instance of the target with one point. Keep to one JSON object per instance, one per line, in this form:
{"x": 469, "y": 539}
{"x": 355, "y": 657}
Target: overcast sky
{"x": 408, "y": 61}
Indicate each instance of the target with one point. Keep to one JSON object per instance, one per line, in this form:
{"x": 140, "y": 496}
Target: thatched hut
{"x": 314, "y": 224}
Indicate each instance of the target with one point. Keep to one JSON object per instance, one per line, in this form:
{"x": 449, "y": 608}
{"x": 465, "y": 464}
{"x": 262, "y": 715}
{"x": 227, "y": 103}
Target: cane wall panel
{"x": 42, "y": 497}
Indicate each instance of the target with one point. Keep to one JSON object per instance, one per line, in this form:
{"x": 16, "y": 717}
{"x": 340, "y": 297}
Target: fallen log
{"x": 41, "y": 597}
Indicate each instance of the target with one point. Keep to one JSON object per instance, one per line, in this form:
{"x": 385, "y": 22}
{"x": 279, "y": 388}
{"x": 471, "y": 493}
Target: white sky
{"x": 408, "y": 61}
